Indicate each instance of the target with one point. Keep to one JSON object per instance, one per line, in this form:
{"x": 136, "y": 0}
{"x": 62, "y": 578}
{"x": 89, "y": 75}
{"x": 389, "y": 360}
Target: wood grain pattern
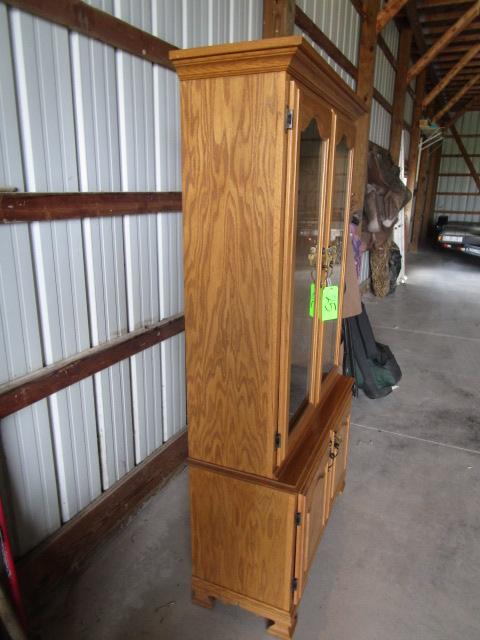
{"x": 281, "y": 620}
{"x": 293, "y": 55}
{"x": 29, "y": 207}
{"x": 240, "y": 196}
{"x": 250, "y": 533}
{"x": 234, "y": 162}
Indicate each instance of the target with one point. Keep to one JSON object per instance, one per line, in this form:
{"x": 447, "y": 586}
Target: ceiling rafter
{"x": 450, "y": 75}
{"x": 442, "y": 42}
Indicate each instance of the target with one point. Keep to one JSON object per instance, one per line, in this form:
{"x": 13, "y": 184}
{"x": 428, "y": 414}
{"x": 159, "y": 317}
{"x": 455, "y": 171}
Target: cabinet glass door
{"x": 310, "y": 193}
{"x": 333, "y": 251}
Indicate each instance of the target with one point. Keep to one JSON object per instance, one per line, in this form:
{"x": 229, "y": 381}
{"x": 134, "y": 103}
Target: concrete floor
{"x": 400, "y": 559}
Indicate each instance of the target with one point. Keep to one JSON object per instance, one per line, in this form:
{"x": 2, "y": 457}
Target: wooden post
{"x": 413, "y": 150}
{"x": 420, "y": 199}
{"x": 400, "y": 93}
{"x": 466, "y": 157}
{"x": 434, "y": 168}
{"x": 366, "y": 70}
{"x": 278, "y": 18}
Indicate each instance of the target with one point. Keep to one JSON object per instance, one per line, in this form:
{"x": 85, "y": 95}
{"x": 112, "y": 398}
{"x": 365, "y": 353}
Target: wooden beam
{"x": 382, "y": 101}
{"x": 25, "y": 390}
{"x": 451, "y": 74}
{"x": 456, "y": 98}
{"x": 386, "y": 51}
{"x": 62, "y": 554}
{"x": 359, "y": 7}
{"x": 434, "y": 30}
{"x": 447, "y": 212}
{"x": 29, "y": 207}
{"x": 468, "y": 105}
{"x": 389, "y": 11}
{"x": 404, "y": 50}
{"x": 466, "y": 157}
{"x": 366, "y": 70}
{"x": 309, "y": 27}
{"x": 444, "y": 40}
{"x": 278, "y": 18}
{"x": 413, "y": 151}
{"x": 434, "y": 167}
{"x": 420, "y": 199}
{"x": 89, "y": 21}
{"x": 426, "y": 4}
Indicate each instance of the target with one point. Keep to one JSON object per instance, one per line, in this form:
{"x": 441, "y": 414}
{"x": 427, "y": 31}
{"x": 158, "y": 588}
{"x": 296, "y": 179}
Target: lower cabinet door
{"x": 340, "y": 453}
{"x": 314, "y": 510}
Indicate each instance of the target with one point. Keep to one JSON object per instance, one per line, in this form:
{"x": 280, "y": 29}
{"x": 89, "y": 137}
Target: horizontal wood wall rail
{"x": 26, "y": 390}
{"x": 89, "y": 21}
{"x": 387, "y": 51}
{"x": 459, "y": 213}
{"x": 29, "y": 207}
{"x": 383, "y": 101}
{"x": 309, "y": 27}
{"x": 459, "y": 155}
{"x": 464, "y": 135}
{"x": 62, "y": 554}
{"x": 457, "y": 193}
{"x": 454, "y": 175}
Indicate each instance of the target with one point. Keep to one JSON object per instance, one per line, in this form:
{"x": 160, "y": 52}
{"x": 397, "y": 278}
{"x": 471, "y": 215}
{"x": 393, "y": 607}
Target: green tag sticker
{"x": 330, "y": 303}
{"x": 311, "y": 308}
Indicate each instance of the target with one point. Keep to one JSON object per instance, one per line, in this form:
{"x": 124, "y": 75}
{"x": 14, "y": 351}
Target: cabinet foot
{"x": 201, "y": 597}
{"x": 283, "y": 628}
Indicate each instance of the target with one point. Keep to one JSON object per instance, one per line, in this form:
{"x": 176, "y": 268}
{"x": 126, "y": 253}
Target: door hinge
{"x": 298, "y": 518}
{"x": 288, "y": 119}
{"x": 278, "y": 440}
{"x": 294, "y": 584}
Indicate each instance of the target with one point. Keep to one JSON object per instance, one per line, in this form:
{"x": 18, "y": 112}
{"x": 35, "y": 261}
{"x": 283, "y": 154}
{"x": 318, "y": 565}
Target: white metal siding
{"x": 77, "y": 115}
{"x": 380, "y": 121}
{"x": 341, "y": 24}
{"x": 464, "y": 205}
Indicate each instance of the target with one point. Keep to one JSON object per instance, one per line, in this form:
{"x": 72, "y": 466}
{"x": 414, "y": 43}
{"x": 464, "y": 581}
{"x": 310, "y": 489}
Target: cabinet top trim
{"x": 293, "y": 55}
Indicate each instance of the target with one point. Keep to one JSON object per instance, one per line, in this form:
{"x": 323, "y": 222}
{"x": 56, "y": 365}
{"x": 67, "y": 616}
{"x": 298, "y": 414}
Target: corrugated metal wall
{"x": 384, "y": 82}
{"x": 76, "y": 115}
{"x": 340, "y": 22}
{"x": 460, "y": 207}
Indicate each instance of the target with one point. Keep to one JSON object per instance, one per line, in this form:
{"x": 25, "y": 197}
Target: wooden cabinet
{"x": 268, "y": 134}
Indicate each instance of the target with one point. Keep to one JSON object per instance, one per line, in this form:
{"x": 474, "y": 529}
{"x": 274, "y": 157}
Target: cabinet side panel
{"x": 233, "y": 172}
{"x": 243, "y": 536}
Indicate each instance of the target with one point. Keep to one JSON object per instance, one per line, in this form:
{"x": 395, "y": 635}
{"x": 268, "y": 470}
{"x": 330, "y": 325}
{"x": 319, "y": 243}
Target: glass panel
{"x": 306, "y": 242}
{"x": 335, "y": 248}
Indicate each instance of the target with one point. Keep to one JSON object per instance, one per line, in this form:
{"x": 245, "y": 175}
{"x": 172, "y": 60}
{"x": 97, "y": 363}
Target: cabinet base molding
{"x": 281, "y": 624}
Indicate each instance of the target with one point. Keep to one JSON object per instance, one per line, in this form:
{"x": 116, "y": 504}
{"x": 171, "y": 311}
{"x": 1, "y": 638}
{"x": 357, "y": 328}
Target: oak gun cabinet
{"x": 268, "y": 136}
